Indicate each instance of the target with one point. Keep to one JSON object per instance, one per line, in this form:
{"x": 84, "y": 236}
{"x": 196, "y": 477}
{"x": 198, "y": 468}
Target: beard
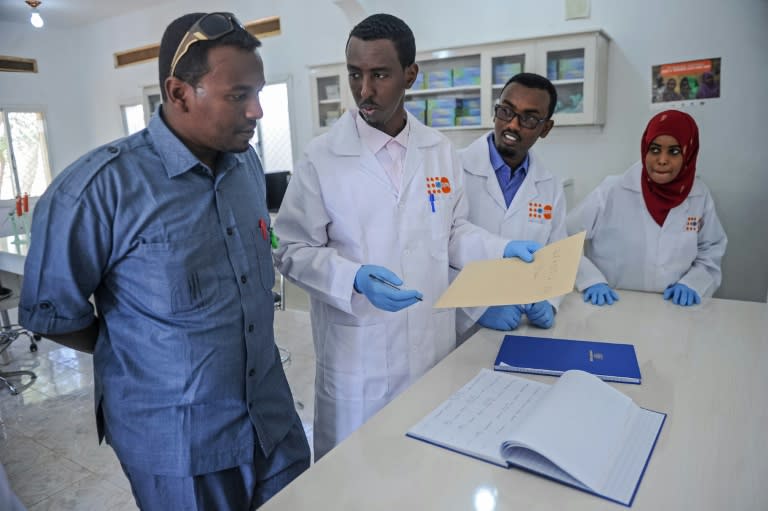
{"x": 507, "y": 152}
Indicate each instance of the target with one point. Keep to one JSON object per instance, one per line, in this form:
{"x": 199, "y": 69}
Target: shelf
{"x": 567, "y": 82}
{"x": 581, "y": 56}
{"x": 447, "y": 90}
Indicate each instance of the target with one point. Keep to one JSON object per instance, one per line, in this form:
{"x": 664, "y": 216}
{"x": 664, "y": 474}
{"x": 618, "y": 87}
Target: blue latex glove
{"x": 600, "y": 294}
{"x": 522, "y": 249}
{"x": 541, "y": 314}
{"x": 502, "y": 317}
{"x": 381, "y": 295}
{"x": 682, "y": 295}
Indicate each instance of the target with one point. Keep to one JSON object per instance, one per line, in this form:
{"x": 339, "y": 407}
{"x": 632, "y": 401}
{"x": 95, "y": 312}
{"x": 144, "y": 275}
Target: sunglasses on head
{"x": 208, "y": 28}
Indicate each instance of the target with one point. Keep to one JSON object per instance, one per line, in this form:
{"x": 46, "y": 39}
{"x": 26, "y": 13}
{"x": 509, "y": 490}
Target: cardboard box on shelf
{"x": 503, "y": 71}
{"x": 441, "y": 79}
{"x": 466, "y": 76}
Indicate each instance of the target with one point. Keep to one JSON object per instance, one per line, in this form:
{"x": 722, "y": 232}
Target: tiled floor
{"x": 48, "y": 441}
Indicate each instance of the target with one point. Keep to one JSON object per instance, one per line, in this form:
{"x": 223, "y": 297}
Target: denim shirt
{"x": 187, "y": 374}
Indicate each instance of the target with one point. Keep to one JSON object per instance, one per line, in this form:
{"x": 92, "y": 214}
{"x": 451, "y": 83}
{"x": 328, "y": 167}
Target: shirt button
{"x": 45, "y": 305}
{"x": 250, "y": 328}
{"x": 229, "y": 231}
{"x": 243, "y": 279}
{"x": 112, "y": 149}
{"x": 252, "y": 373}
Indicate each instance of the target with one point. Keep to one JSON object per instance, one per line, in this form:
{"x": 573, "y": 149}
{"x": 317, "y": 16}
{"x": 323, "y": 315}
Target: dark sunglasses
{"x": 208, "y": 28}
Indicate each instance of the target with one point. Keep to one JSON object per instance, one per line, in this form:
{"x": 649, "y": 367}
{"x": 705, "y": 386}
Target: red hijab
{"x": 659, "y": 199}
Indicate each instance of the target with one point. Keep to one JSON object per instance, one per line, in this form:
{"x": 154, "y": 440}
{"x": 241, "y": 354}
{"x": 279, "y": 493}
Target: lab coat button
{"x": 252, "y": 373}
{"x": 250, "y": 327}
{"x": 243, "y": 279}
{"x": 250, "y": 404}
{"x": 230, "y": 231}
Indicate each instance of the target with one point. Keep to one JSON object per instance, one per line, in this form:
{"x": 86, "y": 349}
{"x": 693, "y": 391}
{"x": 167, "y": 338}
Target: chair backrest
{"x": 277, "y": 183}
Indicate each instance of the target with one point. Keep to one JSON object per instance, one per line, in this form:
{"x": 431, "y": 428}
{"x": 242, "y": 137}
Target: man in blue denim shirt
{"x": 168, "y": 230}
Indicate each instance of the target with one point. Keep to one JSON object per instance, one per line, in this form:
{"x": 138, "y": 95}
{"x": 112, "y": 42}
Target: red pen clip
{"x": 263, "y": 227}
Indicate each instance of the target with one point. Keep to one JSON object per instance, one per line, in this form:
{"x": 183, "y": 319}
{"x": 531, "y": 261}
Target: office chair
{"x": 8, "y": 334}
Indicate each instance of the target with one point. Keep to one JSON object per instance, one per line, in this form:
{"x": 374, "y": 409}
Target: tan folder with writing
{"x": 513, "y": 281}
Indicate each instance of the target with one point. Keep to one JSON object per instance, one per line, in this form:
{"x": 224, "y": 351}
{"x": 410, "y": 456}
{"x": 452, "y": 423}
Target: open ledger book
{"x": 579, "y": 431}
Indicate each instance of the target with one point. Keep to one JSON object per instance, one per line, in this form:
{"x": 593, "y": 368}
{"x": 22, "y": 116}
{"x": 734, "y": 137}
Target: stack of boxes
{"x": 447, "y": 111}
{"x": 467, "y": 76}
{"x": 565, "y": 68}
{"x": 468, "y": 112}
{"x": 503, "y": 71}
{"x": 441, "y": 112}
{"x": 417, "y": 108}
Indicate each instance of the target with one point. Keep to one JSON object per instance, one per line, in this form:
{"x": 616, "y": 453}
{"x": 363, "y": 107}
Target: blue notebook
{"x": 539, "y": 355}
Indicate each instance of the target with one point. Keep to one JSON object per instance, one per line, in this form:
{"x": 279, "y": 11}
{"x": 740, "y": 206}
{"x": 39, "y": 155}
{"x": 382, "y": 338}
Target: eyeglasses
{"x": 506, "y": 114}
{"x": 210, "y": 27}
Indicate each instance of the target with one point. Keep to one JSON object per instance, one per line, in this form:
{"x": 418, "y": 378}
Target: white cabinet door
{"x": 330, "y": 95}
{"x": 576, "y": 66}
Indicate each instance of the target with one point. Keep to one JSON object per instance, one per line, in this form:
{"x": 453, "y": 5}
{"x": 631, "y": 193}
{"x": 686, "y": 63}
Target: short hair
{"x": 194, "y": 64}
{"x": 534, "y": 81}
{"x": 386, "y": 26}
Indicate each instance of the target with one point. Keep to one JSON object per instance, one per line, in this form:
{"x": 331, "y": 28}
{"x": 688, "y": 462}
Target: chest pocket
{"x": 259, "y": 253}
{"x": 181, "y": 275}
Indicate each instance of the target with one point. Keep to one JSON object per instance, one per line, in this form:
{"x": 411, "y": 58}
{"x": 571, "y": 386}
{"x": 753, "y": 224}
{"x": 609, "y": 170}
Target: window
{"x": 273, "y": 136}
{"x": 133, "y": 118}
{"x": 24, "y": 166}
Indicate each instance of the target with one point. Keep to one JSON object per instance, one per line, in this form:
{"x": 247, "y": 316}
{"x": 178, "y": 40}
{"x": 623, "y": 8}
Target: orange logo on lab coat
{"x": 438, "y": 184}
{"x": 694, "y": 224}
{"x": 539, "y": 211}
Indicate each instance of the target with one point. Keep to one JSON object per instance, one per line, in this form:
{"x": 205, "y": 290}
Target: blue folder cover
{"x": 539, "y": 355}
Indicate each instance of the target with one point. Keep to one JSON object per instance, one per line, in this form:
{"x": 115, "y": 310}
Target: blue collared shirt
{"x": 509, "y": 180}
{"x": 179, "y": 261}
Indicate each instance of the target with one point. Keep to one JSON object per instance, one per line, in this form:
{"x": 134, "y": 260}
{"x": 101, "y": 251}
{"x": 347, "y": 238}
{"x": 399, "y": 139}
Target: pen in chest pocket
{"x": 263, "y": 228}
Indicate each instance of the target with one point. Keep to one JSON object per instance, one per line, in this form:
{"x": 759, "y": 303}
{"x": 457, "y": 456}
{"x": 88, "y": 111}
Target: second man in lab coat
{"x": 510, "y": 193}
{"x": 378, "y": 197}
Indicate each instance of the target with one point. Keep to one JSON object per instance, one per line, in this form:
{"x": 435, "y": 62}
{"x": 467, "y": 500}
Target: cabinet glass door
{"x": 329, "y": 107}
{"x": 502, "y": 69}
{"x": 446, "y": 93}
{"x": 565, "y": 69}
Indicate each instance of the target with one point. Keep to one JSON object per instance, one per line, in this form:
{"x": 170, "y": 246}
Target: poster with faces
{"x": 685, "y": 84}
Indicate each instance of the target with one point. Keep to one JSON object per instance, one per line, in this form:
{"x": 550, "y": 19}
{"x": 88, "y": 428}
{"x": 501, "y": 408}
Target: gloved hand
{"x": 501, "y": 317}
{"x": 541, "y": 314}
{"x": 600, "y": 294}
{"x": 522, "y": 249}
{"x": 381, "y": 295}
{"x": 682, "y": 295}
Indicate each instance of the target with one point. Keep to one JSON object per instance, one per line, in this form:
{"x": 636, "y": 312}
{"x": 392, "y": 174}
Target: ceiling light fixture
{"x": 35, "y": 19}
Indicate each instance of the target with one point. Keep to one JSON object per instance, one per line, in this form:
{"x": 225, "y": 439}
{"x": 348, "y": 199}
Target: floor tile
{"x": 48, "y": 441}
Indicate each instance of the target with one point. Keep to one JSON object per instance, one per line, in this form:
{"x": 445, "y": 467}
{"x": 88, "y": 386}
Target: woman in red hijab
{"x": 655, "y": 227}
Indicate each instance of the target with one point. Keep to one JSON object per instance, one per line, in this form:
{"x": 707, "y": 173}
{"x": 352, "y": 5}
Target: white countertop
{"x": 704, "y": 366}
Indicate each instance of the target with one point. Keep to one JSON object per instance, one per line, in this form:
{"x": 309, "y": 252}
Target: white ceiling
{"x": 72, "y": 13}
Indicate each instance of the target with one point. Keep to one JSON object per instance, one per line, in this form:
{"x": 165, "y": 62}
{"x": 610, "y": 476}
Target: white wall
{"x": 82, "y": 91}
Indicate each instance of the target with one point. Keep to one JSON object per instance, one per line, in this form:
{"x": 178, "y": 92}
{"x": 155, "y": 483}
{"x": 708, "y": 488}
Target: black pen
{"x": 388, "y": 283}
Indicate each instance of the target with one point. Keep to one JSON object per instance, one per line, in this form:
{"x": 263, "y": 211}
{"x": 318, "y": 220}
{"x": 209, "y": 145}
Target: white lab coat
{"x": 488, "y": 209}
{"x": 627, "y": 249}
{"x": 341, "y": 211}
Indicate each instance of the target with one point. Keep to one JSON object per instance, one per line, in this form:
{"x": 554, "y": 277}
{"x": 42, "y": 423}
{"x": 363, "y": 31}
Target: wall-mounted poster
{"x": 686, "y": 82}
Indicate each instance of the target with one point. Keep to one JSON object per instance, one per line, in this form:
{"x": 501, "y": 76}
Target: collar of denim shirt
{"x": 177, "y": 158}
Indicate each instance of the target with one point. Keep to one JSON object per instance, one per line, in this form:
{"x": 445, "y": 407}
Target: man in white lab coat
{"x": 511, "y": 194}
{"x": 377, "y": 203}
